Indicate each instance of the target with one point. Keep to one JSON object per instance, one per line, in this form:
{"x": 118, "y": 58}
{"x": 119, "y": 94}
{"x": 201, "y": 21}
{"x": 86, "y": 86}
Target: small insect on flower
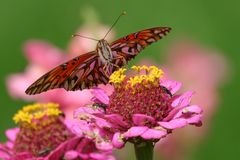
{"x": 93, "y": 68}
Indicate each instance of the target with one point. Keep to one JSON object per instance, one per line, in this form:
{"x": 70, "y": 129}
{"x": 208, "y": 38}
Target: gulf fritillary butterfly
{"x": 93, "y": 68}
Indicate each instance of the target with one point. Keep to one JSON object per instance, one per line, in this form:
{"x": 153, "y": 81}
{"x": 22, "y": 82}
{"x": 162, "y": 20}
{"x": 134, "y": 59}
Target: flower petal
{"x": 62, "y": 148}
{"x": 182, "y": 100}
{"x": 98, "y": 156}
{"x": 12, "y": 133}
{"x": 117, "y": 140}
{"x": 43, "y": 54}
{"x": 103, "y": 145}
{"x": 194, "y": 109}
{"x": 154, "y": 133}
{"x": 142, "y": 119}
{"x": 116, "y": 119}
{"x": 173, "y": 124}
{"x": 171, "y": 85}
{"x": 5, "y": 152}
{"x": 85, "y": 111}
{"x": 70, "y": 155}
{"x": 196, "y": 119}
{"x": 135, "y": 131}
{"x": 100, "y": 95}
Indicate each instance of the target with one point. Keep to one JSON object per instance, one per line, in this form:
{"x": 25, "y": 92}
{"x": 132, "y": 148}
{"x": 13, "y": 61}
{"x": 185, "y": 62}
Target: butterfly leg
{"x": 107, "y": 70}
{"x": 119, "y": 57}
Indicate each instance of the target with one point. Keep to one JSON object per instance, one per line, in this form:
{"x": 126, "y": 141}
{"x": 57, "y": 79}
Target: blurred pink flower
{"x": 42, "y": 57}
{"x": 43, "y": 135}
{"x": 140, "y": 108}
{"x": 203, "y": 71}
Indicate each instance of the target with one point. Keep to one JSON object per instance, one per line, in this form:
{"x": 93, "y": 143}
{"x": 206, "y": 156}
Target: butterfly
{"x": 93, "y": 68}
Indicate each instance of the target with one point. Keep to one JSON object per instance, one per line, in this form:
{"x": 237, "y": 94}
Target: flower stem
{"x": 144, "y": 150}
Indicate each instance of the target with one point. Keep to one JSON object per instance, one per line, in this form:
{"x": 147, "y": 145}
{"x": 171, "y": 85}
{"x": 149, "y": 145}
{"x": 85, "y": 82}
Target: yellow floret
{"x": 136, "y": 68}
{"x": 30, "y": 114}
{"x": 151, "y": 77}
{"x": 118, "y": 76}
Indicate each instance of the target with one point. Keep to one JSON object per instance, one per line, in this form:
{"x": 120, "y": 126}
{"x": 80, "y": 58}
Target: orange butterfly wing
{"x": 86, "y": 70}
{"x": 126, "y": 48}
{"x": 78, "y": 73}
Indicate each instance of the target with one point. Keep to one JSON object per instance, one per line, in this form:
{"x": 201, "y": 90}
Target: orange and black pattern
{"x": 87, "y": 70}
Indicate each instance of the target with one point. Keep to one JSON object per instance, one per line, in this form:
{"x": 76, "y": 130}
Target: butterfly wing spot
{"x": 151, "y": 40}
{"x": 83, "y": 85}
{"x": 139, "y": 47}
{"x": 64, "y": 66}
{"x": 73, "y": 81}
{"x": 65, "y": 85}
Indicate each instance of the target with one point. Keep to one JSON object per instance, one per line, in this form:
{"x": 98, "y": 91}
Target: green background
{"x": 214, "y": 24}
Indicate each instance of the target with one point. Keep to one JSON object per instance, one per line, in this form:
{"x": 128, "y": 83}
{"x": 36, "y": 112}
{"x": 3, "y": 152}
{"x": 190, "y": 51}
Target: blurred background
{"x": 201, "y": 52}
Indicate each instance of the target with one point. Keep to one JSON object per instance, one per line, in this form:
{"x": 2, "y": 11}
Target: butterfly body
{"x": 105, "y": 54}
{"x": 93, "y": 68}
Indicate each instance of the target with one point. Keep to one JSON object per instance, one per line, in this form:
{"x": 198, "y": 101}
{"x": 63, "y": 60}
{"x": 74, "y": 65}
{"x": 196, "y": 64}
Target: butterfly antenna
{"x": 77, "y": 35}
{"x": 123, "y": 13}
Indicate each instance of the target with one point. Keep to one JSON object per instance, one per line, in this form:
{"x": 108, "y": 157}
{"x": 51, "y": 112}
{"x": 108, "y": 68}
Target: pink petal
{"x": 196, "y": 119}
{"x": 83, "y": 156}
{"x": 102, "y": 123}
{"x": 171, "y": 85}
{"x": 5, "y": 153}
{"x": 173, "y": 124}
{"x": 103, "y": 145}
{"x": 142, "y": 119}
{"x": 182, "y": 100}
{"x": 62, "y": 148}
{"x": 17, "y": 84}
{"x": 173, "y": 113}
{"x": 100, "y": 156}
{"x": 70, "y": 155}
{"x": 116, "y": 119}
{"x": 97, "y": 156}
{"x": 135, "y": 131}
{"x": 43, "y": 54}
{"x": 12, "y": 134}
{"x": 86, "y": 111}
{"x": 80, "y": 127}
{"x": 154, "y": 133}
{"x": 100, "y": 95}
{"x": 194, "y": 109}
{"x": 9, "y": 144}
{"x": 117, "y": 140}
{"x": 25, "y": 156}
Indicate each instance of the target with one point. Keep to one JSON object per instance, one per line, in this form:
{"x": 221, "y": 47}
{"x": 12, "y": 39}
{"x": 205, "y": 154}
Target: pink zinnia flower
{"x": 43, "y": 135}
{"x": 205, "y": 70}
{"x": 143, "y": 108}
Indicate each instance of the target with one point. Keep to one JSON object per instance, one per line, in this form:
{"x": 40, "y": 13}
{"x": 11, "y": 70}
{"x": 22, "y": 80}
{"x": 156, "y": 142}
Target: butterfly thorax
{"x": 104, "y": 51}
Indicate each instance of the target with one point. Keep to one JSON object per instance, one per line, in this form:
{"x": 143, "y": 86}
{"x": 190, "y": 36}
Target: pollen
{"x": 150, "y": 77}
{"x": 31, "y": 115}
{"x": 117, "y": 77}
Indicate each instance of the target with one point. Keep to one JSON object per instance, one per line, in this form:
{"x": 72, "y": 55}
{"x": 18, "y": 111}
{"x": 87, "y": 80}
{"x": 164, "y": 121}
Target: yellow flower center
{"x": 32, "y": 115}
{"x": 151, "y": 76}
